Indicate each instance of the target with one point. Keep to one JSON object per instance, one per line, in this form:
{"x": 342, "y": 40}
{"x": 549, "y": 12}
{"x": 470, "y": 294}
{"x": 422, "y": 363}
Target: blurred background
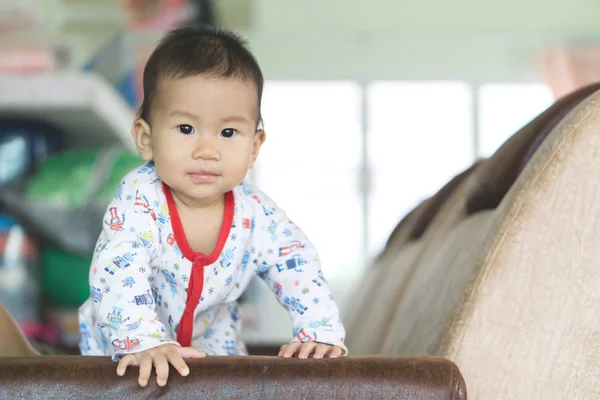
{"x": 369, "y": 107}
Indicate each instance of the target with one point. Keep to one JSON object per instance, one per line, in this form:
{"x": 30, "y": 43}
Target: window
{"x": 419, "y": 136}
{"x": 310, "y": 162}
{"x": 505, "y": 108}
{"x": 310, "y": 167}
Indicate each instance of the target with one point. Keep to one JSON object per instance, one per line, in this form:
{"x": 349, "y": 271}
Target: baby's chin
{"x": 201, "y": 192}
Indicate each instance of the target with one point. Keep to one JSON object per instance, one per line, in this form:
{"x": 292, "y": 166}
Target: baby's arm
{"x": 120, "y": 282}
{"x": 120, "y": 277}
{"x": 291, "y": 268}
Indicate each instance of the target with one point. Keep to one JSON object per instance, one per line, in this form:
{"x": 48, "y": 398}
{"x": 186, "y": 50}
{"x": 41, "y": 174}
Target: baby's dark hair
{"x": 192, "y": 51}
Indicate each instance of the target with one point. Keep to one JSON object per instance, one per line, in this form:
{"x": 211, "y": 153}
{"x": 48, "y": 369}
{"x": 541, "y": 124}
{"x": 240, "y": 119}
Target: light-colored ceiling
{"x": 429, "y": 16}
{"x": 375, "y": 39}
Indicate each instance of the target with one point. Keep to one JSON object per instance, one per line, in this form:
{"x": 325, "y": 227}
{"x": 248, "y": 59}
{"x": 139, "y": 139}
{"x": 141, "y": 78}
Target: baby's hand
{"x": 305, "y": 350}
{"x": 160, "y": 357}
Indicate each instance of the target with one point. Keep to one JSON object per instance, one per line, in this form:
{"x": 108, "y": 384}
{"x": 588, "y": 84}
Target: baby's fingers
{"x": 162, "y": 368}
{"x": 282, "y": 350}
{"x": 178, "y": 363}
{"x": 321, "y": 350}
{"x": 145, "y": 369}
{"x": 307, "y": 349}
{"x": 289, "y": 350}
{"x": 190, "y": 352}
{"x": 336, "y": 352}
{"x": 129, "y": 359}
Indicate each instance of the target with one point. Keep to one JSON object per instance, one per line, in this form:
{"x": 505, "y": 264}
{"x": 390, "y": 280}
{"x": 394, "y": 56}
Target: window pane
{"x": 420, "y": 135}
{"x": 309, "y": 165}
{"x": 310, "y": 162}
{"x": 505, "y": 108}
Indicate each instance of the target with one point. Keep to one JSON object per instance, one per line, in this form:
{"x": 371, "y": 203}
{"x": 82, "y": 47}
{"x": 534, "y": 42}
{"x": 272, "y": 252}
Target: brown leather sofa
{"x": 496, "y": 273}
{"x": 244, "y": 378}
{"x": 24, "y": 374}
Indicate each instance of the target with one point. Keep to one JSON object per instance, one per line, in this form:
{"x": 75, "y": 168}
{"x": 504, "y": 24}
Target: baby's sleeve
{"x": 290, "y": 265}
{"x": 121, "y": 274}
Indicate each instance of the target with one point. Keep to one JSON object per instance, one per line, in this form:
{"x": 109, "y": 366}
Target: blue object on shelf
{"x": 20, "y": 277}
{"x": 113, "y": 60}
{"x": 6, "y": 223}
{"x": 24, "y": 142}
{"x": 128, "y": 89}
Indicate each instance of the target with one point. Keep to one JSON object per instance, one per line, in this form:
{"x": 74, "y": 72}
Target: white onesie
{"x": 148, "y": 287}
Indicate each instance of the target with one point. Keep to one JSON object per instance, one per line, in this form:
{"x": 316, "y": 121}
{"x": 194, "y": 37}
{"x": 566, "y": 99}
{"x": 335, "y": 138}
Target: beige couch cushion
{"x": 436, "y": 287}
{"x": 529, "y": 327}
{"x": 433, "y": 295}
{"x": 370, "y": 322}
{"x": 416, "y": 222}
{"x": 435, "y": 203}
{"x": 381, "y": 287}
{"x": 360, "y": 304}
{"x": 499, "y": 175}
{"x": 367, "y": 288}
{"x": 403, "y": 232}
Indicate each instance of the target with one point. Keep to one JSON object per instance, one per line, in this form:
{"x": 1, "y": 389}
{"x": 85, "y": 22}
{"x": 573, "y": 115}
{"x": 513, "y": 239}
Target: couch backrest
{"x": 416, "y": 222}
{"x": 528, "y": 326}
{"x": 500, "y": 174}
{"x": 231, "y": 377}
{"x": 452, "y": 259}
{"x": 384, "y": 282}
{"x": 365, "y": 333}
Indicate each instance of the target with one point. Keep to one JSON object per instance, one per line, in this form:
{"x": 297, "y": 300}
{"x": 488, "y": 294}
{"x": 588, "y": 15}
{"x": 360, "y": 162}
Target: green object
{"x": 124, "y": 162}
{"x": 65, "y": 279}
{"x": 74, "y": 179}
{"x": 69, "y": 178}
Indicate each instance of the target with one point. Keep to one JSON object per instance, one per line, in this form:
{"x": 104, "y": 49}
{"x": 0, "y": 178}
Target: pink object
{"x": 157, "y": 14}
{"x": 35, "y": 330}
{"x": 569, "y": 68}
{"x": 20, "y": 15}
{"x": 26, "y": 59}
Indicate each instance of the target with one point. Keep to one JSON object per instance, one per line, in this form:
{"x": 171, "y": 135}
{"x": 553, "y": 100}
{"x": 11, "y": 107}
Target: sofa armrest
{"x": 247, "y": 378}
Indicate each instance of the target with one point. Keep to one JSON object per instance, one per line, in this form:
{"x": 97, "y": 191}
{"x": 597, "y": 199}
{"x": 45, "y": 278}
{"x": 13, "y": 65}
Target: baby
{"x": 185, "y": 233}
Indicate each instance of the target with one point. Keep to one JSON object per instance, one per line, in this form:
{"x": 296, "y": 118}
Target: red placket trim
{"x": 199, "y": 261}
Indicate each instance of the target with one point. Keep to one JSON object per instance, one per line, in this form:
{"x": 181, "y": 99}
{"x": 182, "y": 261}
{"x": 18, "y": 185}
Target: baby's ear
{"x": 259, "y": 138}
{"x": 143, "y": 139}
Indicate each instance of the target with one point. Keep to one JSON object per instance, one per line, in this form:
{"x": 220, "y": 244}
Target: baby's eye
{"x": 186, "y": 129}
{"x": 229, "y": 132}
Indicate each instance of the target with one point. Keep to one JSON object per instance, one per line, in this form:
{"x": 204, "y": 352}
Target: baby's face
{"x": 203, "y": 135}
